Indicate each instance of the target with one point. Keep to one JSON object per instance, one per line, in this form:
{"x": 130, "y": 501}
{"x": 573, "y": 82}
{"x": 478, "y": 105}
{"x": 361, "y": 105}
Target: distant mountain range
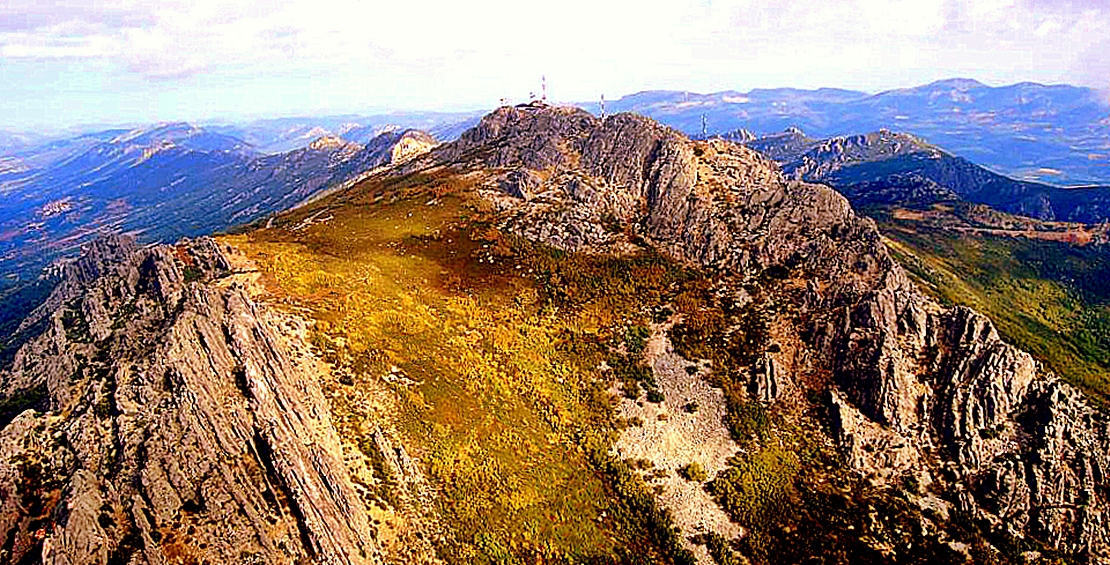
{"x": 163, "y": 183}
{"x": 885, "y": 167}
{"x": 1058, "y": 134}
{"x": 175, "y": 180}
{"x": 279, "y": 135}
{"x": 266, "y": 136}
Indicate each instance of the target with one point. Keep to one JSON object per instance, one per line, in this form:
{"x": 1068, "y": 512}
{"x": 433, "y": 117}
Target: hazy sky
{"x": 82, "y": 61}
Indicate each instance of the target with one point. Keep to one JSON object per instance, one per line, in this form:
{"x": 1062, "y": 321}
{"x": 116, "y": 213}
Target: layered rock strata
{"x": 172, "y": 423}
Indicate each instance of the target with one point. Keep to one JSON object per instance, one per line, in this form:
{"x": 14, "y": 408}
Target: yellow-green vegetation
{"x": 757, "y": 488}
{"x": 693, "y": 471}
{"x": 496, "y": 349}
{"x": 1049, "y": 298}
{"x": 720, "y": 551}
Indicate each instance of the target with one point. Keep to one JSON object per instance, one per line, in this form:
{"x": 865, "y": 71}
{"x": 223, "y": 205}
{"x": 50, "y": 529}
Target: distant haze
{"x": 130, "y": 61}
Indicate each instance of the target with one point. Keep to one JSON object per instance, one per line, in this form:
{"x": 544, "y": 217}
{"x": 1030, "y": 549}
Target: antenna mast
{"x": 543, "y": 85}
{"x": 603, "y": 106}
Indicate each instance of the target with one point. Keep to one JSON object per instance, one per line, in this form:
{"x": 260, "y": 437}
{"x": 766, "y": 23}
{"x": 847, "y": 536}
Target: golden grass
{"x": 499, "y": 387}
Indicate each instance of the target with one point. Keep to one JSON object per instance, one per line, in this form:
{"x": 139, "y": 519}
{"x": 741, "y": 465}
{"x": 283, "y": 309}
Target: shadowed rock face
{"x": 176, "y": 424}
{"x": 917, "y": 390}
{"x": 957, "y": 406}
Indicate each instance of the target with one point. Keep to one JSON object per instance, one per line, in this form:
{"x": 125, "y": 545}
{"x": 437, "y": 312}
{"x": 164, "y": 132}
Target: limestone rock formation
{"x": 172, "y": 423}
{"x": 714, "y": 204}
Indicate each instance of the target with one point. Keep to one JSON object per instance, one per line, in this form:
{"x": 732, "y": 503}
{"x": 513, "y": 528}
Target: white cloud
{"x": 425, "y": 52}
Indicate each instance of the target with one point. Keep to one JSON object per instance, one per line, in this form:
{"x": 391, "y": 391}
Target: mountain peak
{"x": 568, "y": 174}
{"x": 327, "y": 142}
{"x": 180, "y": 134}
{"x": 958, "y": 83}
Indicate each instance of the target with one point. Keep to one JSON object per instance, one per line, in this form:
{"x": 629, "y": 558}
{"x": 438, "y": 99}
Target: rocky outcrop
{"x": 1005, "y": 441}
{"x": 571, "y": 177}
{"x": 175, "y": 423}
{"x": 391, "y": 148}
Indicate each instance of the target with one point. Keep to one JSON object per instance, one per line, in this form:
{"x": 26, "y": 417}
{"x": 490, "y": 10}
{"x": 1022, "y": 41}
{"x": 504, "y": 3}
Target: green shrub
{"x": 721, "y": 551}
{"x": 193, "y": 274}
{"x": 636, "y": 338}
{"x": 693, "y": 472}
{"x": 746, "y": 419}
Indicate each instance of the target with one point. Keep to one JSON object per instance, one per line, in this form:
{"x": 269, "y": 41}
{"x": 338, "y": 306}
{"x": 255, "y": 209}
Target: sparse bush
{"x": 721, "y": 551}
{"x": 746, "y": 419}
{"x": 693, "y": 472}
{"x": 991, "y": 433}
{"x": 192, "y": 274}
{"x": 757, "y": 486}
{"x": 636, "y": 338}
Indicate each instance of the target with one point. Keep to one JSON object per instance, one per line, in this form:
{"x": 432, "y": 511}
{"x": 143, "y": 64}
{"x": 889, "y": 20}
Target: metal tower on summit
{"x": 543, "y": 88}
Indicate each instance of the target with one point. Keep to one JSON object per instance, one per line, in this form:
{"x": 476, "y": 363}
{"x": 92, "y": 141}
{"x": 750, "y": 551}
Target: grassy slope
{"x": 1048, "y": 298}
{"x": 505, "y": 405}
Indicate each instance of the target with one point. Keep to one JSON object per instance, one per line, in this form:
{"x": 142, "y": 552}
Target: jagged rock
{"x": 868, "y": 446}
{"x": 1008, "y": 442}
{"x": 712, "y": 203}
{"x": 178, "y": 426}
{"x": 410, "y": 144}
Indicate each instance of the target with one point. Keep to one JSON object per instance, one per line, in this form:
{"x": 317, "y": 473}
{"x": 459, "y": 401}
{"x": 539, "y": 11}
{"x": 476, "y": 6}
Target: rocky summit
{"x": 558, "y": 338}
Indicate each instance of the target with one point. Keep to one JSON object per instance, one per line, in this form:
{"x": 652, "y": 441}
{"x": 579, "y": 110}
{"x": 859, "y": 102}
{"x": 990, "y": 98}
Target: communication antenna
{"x": 543, "y": 85}
{"x": 603, "y": 106}
{"x": 704, "y": 129}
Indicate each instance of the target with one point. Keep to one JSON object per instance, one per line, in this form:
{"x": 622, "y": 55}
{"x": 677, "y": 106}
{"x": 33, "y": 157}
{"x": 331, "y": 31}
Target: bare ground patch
{"x": 687, "y": 427}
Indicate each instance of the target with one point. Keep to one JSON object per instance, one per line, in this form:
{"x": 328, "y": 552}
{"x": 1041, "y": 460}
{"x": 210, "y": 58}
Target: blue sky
{"x": 68, "y": 62}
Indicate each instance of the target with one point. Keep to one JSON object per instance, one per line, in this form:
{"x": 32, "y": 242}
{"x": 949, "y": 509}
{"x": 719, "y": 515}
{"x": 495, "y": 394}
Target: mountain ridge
{"x": 897, "y": 168}
{"x": 906, "y": 368}
{"x": 165, "y": 182}
{"x": 785, "y": 301}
